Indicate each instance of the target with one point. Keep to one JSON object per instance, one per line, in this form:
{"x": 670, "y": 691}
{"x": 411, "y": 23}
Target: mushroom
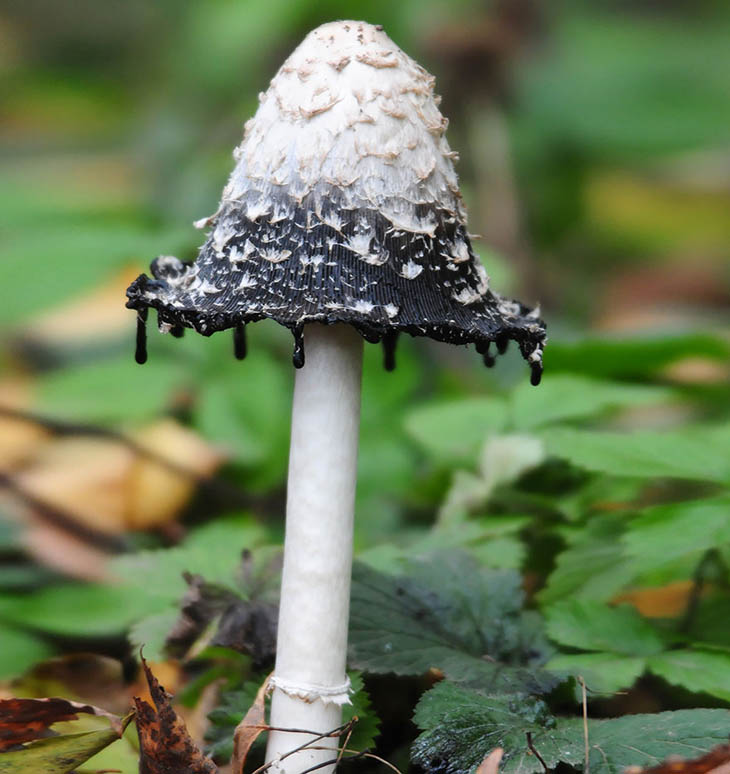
{"x": 342, "y": 221}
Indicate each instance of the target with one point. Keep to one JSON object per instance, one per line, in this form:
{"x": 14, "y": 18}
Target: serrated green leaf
{"x": 450, "y": 614}
{"x": 699, "y": 671}
{"x": 453, "y": 431}
{"x": 691, "y": 453}
{"x": 593, "y": 567}
{"x": 604, "y": 673}
{"x": 647, "y": 740}
{"x": 565, "y": 396}
{"x": 213, "y": 551}
{"x": 150, "y": 633}
{"x": 461, "y": 726}
{"x": 367, "y": 728}
{"x": 226, "y": 716}
{"x": 664, "y": 533}
{"x": 588, "y": 625}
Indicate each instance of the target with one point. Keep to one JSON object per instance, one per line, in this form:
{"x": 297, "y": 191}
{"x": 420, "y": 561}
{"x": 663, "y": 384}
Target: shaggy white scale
{"x": 343, "y": 206}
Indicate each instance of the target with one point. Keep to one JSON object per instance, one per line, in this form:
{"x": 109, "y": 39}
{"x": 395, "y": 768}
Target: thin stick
{"x": 307, "y": 745}
{"x": 330, "y": 762}
{"x": 347, "y": 739}
{"x": 534, "y": 751}
{"x": 375, "y": 757}
{"x": 587, "y": 766}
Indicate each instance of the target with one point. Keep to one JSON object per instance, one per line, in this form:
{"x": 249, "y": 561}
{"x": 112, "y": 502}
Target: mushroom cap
{"x": 343, "y": 206}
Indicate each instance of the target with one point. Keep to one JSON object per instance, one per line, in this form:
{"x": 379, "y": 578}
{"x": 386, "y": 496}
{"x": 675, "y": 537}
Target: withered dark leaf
{"x": 250, "y": 627}
{"x": 165, "y": 745}
{"x": 201, "y": 603}
{"x": 23, "y": 720}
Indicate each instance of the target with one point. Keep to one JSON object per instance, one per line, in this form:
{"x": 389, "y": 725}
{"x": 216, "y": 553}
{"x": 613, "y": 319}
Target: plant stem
{"x": 310, "y": 676}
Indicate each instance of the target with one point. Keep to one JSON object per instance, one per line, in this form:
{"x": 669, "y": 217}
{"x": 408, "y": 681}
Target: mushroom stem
{"x": 310, "y": 682}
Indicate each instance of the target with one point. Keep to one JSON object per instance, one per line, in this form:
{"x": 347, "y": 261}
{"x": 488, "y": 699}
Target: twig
{"x": 534, "y": 751}
{"x": 587, "y": 766}
{"x": 375, "y": 757}
{"x": 335, "y": 732}
{"x": 330, "y": 762}
{"x": 347, "y": 739}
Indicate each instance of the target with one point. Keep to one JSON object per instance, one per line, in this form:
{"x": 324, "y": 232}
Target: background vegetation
{"x": 594, "y": 510}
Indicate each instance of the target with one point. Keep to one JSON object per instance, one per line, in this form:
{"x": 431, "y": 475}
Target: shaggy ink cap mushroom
{"x": 343, "y": 207}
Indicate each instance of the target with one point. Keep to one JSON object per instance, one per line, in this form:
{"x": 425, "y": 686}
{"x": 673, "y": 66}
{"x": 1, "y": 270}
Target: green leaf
{"x": 588, "y": 625}
{"x": 490, "y": 539}
{"x": 604, "y": 673}
{"x": 647, "y": 740}
{"x": 247, "y": 410}
{"x": 213, "y": 551}
{"x": 461, "y": 726}
{"x": 593, "y": 567}
{"x": 226, "y": 716}
{"x": 111, "y": 390}
{"x": 151, "y": 633}
{"x": 448, "y": 613}
{"x": 20, "y": 650}
{"x": 57, "y": 755}
{"x": 78, "y": 610}
{"x": 78, "y": 254}
{"x": 453, "y": 431}
{"x": 564, "y": 396}
{"x": 692, "y": 453}
{"x": 149, "y": 582}
{"x": 664, "y": 533}
{"x": 631, "y": 357}
{"x": 699, "y": 671}
{"x": 367, "y": 728}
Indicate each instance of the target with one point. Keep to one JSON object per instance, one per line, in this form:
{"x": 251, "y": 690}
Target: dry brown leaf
{"x": 94, "y": 315}
{"x": 19, "y": 440}
{"x": 165, "y": 745}
{"x": 85, "y": 478}
{"x": 157, "y": 493}
{"x": 58, "y": 549}
{"x": 109, "y": 487}
{"x": 248, "y": 730}
{"x": 23, "y": 720}
{"x": 490, "y": 764}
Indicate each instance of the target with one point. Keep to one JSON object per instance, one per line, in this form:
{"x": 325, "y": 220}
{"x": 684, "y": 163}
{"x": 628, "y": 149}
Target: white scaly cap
{"x": 344, "y": 206}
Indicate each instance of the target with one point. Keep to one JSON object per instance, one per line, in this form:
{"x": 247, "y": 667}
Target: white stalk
{"x": 310, "y": 682}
